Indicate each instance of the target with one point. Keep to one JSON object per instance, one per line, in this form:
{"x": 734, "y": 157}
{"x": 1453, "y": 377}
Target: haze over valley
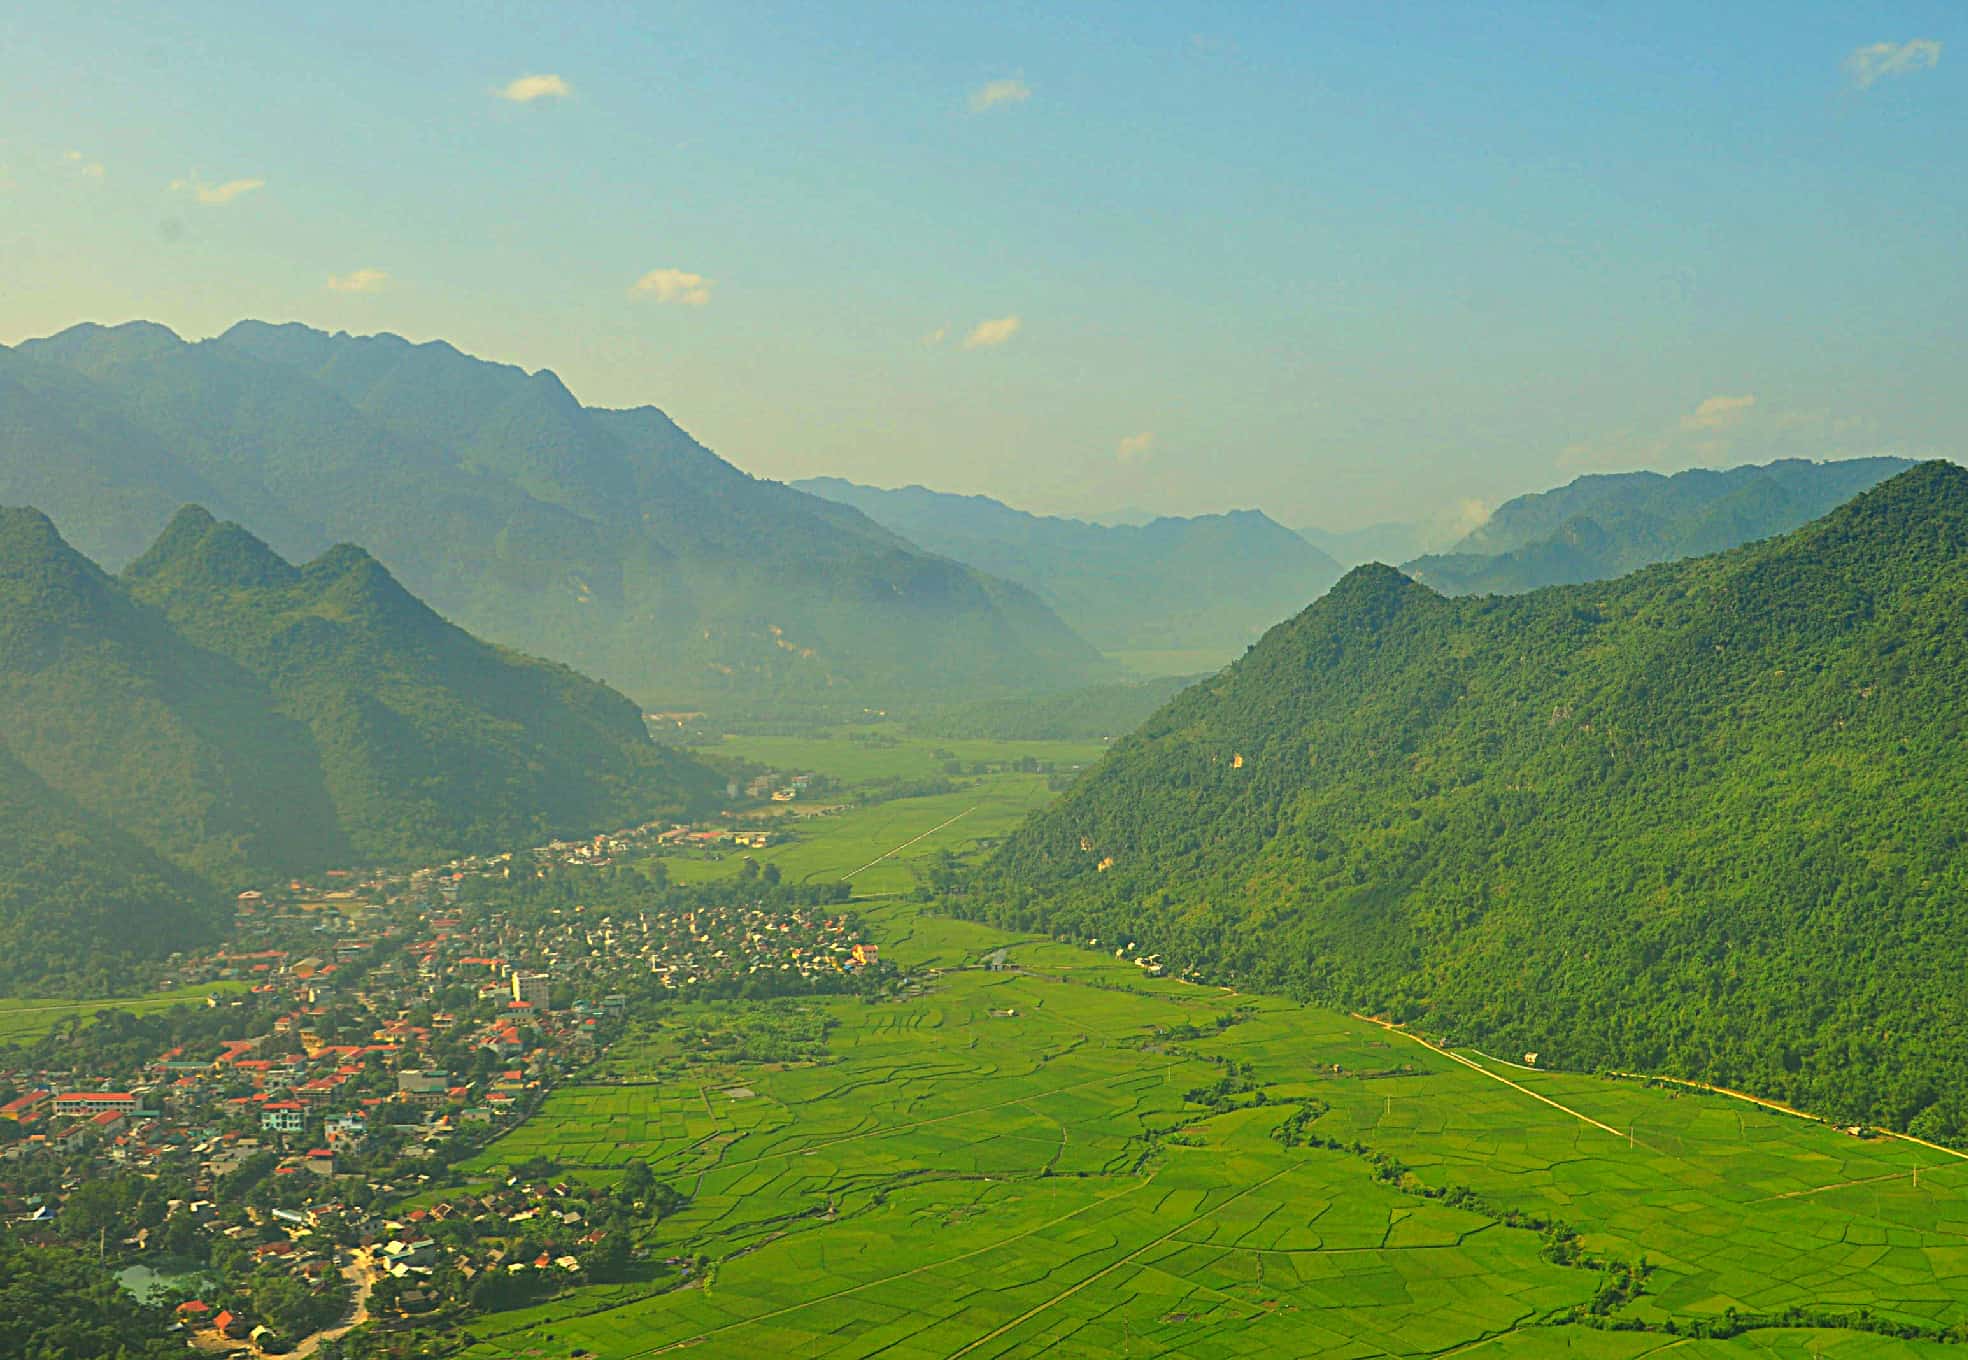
{"x": 887, "y": 683}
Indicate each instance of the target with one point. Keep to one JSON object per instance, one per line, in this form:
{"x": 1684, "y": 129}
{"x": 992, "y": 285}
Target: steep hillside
{"x": 610, "y": 539}
{"x": 426, "y": 737}
{"x": 1209, "y": 582}
{"x": 79, "y": 900}
{"x": 1603, "y": 526}
{"x": 219, "y": 715}
{"x": 1701, "y": 819}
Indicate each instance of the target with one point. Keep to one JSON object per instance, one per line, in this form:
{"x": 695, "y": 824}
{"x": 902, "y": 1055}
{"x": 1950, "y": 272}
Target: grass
{"x": 1008, "y": 1165}
{"x": 25, "y": 1019}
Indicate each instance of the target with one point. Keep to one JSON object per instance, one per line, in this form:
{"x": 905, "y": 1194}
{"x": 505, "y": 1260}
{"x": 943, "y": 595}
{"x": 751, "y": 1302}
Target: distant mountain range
{"x": 1607, "y": 525}
{"x": 217, "y": 714}
{"x": 1211, "y": 582}
{"x": 609, "y": 539}
{"x": 1701, "y": 820}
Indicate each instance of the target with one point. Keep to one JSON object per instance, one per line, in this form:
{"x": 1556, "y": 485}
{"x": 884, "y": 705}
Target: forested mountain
{"x": 1602, "y": 526}
{"x": 609, "y": 539}
{"x": 1704, "y": 819}
{"x": 219, "y": 714}
{"x": 1212, "y": 582}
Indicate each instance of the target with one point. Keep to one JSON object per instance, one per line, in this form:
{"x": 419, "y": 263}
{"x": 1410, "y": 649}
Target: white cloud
{"x": 358, "y": 281}
{"x": 996, "y": 92}
{"x": 990, "y": 334}
{"x": 1134, "y": 447}
{"x": 1721, "y": 431}
{"x": 216, "y": 195}
{"x": 673, "y": 285}
{"x": 526, "y": 89}
{"x": 1719, "y": 413}
{"x": 1869, "y": 65}
{"x": 88, "y": 169}
{"x": 937, "y": 336}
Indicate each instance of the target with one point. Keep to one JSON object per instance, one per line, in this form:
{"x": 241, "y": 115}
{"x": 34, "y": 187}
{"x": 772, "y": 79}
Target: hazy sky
{"x": 1342, "y": 261}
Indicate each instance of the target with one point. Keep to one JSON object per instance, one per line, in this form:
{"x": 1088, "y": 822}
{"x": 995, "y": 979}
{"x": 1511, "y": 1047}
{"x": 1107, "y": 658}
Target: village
{"x": 353, "y": 1040}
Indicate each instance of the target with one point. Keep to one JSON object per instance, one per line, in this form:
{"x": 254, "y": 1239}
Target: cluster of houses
{"x": 357, "y": 1028}
{"x": 685, "y": 948}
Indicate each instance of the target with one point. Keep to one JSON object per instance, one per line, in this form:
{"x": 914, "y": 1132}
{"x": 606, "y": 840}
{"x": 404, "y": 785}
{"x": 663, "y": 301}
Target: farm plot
{"x": 1016, "y": 1163}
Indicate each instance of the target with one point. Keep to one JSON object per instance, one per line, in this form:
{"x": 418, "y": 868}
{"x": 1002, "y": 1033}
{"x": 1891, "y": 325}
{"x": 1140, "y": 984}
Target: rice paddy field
{"x": 1015, "y": 1163}
{"x": 878, "y": 846}
{"x": 1042, "y": 1151}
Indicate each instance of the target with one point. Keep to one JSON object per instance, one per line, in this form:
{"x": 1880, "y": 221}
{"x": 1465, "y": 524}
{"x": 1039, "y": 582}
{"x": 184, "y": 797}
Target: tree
{"x": 610, "y": 1260}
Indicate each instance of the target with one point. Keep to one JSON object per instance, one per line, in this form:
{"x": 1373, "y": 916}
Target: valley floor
{"x": 1063, "y": 1156}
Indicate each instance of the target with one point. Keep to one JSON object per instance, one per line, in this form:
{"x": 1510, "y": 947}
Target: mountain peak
{"x": 197, "y": 549}
{"x": 1922, "y": 490}
{"x": 23, "y": 524}
{"x": 95, "y": 349}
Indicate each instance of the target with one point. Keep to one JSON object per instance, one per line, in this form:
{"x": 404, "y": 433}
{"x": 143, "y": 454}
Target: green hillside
{"x": 79, "y": 900}
{"x": 610, "y": 539}
{"x": 426, "y": 738}
{"x": 1207, "y": 582}
{"x": 1703, "y": 819}
{"x": 1602, "y": 526}
{"x": 219, "y": 715}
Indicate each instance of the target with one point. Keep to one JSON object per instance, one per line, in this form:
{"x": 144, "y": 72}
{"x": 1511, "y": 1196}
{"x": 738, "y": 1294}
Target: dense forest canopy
{"x": 1701, "y": 820}
{"x": 218, "y": 715}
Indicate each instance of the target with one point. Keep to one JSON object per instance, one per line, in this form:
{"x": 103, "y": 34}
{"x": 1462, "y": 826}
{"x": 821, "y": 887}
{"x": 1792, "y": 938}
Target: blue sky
{"x": 1346, "y": 262}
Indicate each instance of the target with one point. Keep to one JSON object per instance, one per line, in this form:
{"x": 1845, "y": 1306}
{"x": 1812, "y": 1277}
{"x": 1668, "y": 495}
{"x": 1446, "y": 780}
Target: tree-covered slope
{"x": 1207, "y": 582}
{"x": 1704, "y": 819}
{"x": 610, "y": 539}
{"x": 219, "y": 715}
{"x": 1602, "y": 526}
{"x": 80, "y": 900}
{"x": 165, "y": 740}
{"x": 426, "y": 738}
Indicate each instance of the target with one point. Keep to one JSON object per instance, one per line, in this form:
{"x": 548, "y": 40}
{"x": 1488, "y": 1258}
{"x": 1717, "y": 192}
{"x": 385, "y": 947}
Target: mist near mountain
{"x": 608, "y": 539}
{"x": 1205, "y": 583}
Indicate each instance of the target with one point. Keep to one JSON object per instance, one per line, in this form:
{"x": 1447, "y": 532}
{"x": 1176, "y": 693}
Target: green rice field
{"x": 25, "y": 1019}
{"x": 1009, "y": 1164}
{"x": 879, "y": 846}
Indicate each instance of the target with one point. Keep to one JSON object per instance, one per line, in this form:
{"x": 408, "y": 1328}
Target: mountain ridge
{"x": 1607, "y": 524}
{"x": 1692, "y": 820}
{"x": 610, "y": 538}
{"x": 217, "y": 715}
{"x": 1204, "y": 582}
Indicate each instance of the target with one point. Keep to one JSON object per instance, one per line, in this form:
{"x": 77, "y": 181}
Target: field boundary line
{"x": 1107, "y": 1270}
{"x": 906, "y": 844}
{"x": 1475, "y": 1066}
{"x": 884, "y": 1129}
{"x": 1105, "y": 1199}
{"x": 1780, "y": 1108}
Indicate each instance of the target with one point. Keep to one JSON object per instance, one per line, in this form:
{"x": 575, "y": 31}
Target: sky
{"x": 1345, "y": 262}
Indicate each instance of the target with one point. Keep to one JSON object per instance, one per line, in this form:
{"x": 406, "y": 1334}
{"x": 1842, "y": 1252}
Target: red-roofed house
{"x": 95, "y": 1102}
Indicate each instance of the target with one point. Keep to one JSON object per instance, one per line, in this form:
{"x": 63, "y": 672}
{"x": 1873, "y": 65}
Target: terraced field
{"x": 1010, "y": 1165}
